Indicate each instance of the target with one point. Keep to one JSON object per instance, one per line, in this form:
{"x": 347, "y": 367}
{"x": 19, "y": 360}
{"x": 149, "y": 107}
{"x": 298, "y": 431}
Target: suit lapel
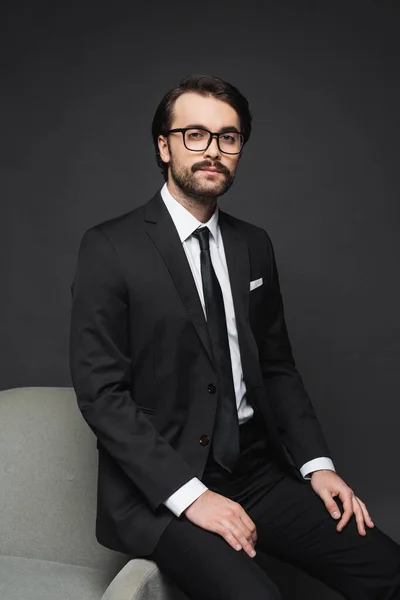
{"x": 162, "y": 231}
{"x": 238, "y": 262}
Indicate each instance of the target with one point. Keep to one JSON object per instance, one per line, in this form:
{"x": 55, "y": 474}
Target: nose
{"x": 212, "y": 150}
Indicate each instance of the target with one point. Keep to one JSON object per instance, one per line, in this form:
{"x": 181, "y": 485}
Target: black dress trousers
{"x": 292, "y": 524}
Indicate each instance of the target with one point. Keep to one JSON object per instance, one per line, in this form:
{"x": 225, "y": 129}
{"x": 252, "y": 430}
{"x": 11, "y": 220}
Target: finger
{"x": 246, "y": 543}
{"x": 359, "y": 516}
{"x": 367, "y": 516}
{"x": 346, "y": 498}
{"x": 233, "y": 519}
{"x": 229, "y": 537}
{"x": 237, "y": 540}
{"x": 331, "y": 506}
{"x": 241, "y": 533}
{"x": 242, "y": 520}
{"x": 250, "y": 526}
{"x": 236, "y": 521}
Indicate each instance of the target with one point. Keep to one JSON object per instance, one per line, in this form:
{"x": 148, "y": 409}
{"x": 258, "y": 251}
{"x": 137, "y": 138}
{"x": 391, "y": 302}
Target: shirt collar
{"x": 184, "y": 221}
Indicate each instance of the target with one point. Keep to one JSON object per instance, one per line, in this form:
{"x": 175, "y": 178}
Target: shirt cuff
{"x": 316, "y": 465}
{"x": 185, "y": 496}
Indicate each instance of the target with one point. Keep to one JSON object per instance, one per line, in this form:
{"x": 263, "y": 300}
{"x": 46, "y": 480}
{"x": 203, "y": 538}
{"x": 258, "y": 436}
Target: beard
{"x": 201, "y": 189}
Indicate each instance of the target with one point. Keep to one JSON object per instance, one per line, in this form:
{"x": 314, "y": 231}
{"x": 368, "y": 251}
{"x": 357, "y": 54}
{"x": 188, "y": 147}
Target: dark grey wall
{"x": 320, "y": 173}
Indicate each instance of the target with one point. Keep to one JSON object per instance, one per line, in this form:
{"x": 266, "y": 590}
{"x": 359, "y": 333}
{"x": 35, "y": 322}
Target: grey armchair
{"x": 48, "y": 469}
{"x": 48, "y": 549}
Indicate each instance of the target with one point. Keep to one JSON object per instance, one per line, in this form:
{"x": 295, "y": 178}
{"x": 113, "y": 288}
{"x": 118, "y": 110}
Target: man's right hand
{"x": 221, "y": 515}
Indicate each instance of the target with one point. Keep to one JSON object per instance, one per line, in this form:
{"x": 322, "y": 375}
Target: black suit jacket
{"x": 141, "y": 364}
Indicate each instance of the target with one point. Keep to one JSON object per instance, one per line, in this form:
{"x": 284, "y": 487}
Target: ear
{"x": 164, "y": 148}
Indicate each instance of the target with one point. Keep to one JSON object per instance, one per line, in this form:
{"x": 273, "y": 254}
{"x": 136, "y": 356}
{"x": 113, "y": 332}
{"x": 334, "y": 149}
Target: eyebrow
{"x": 222, "y": 130}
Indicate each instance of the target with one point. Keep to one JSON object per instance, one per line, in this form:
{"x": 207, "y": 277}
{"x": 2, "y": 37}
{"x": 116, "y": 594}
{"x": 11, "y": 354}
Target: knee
{"x": 272, "y": 594}
{"x": 275, "y": 594}
{"x": 271, "y": 591}
{"x": 266, "y": 592}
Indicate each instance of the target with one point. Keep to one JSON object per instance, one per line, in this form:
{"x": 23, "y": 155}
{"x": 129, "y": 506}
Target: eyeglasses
{"x": 198, "y": 139}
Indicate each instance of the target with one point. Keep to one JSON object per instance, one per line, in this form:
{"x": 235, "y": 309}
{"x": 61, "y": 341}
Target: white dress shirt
{"x": 186, "y": 224}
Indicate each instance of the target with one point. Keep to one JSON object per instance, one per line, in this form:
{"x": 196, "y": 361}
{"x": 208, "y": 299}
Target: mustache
{"x": 219, "y": 166}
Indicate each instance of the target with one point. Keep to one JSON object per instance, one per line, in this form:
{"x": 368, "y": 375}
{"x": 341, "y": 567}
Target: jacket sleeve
{"x": 294, "y": 414}
{"x": 102, "y": 372}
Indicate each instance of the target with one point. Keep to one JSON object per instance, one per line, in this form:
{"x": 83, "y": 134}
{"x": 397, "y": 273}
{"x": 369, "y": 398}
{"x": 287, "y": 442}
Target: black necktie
{"x": 225, "y": 445}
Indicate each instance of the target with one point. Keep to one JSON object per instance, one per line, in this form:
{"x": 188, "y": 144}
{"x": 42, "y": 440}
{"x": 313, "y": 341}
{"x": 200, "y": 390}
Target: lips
{"x": 211, "y": 169}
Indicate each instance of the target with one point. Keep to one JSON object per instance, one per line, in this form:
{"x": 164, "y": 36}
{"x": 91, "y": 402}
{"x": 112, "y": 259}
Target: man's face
{"x": 187, "y": 169}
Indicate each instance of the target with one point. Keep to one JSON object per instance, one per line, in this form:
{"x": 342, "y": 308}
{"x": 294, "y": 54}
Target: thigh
{"x": 203, "y": 565}
{"x": 293, "y": 525}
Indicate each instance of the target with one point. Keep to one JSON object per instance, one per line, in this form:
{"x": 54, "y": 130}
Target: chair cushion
{"x": 33, "y": 579}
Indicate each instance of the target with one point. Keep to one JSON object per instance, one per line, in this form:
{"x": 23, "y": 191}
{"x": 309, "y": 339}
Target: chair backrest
{"x": 48, "y": 478}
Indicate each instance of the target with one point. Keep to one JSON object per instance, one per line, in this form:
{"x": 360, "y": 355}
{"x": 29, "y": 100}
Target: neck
{"x": 201, "y": 207}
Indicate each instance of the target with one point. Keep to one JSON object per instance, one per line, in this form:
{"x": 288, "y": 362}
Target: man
{"x": 209, "y": 447}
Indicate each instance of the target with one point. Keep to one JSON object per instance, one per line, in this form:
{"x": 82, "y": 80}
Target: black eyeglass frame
{"x": 183, "y": 130}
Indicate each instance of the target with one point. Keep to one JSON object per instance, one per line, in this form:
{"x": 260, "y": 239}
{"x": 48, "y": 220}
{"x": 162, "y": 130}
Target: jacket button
{"x": 204, "y": 440}
{"x": 211, "y": 388}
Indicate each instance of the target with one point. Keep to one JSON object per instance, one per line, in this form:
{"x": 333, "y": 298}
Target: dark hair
{"x": 206, "y": 85}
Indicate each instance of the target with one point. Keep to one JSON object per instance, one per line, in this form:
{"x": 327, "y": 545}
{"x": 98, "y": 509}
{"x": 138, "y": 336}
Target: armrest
{"x": 141, "y": 579}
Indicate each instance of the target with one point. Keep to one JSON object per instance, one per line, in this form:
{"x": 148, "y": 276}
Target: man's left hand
{"x": 327, "y": 484}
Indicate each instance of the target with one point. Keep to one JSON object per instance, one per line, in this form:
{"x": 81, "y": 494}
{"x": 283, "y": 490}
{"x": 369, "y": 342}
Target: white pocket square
{"x": 256, "y": 283}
